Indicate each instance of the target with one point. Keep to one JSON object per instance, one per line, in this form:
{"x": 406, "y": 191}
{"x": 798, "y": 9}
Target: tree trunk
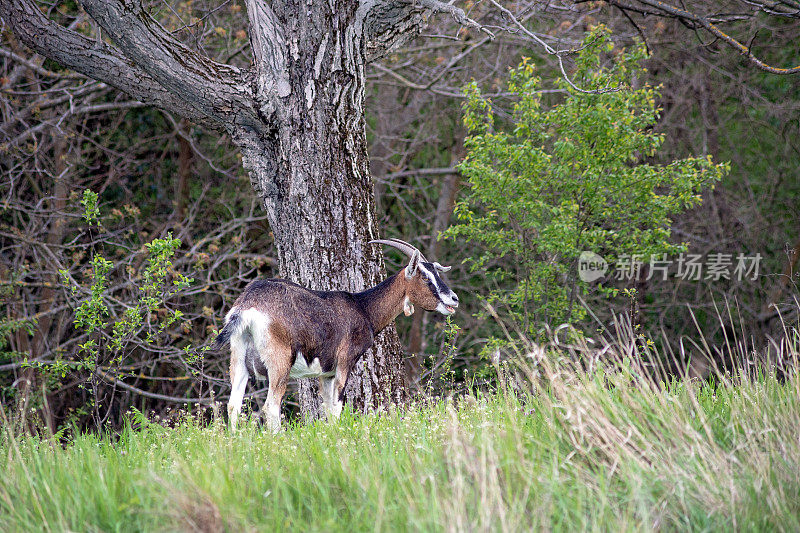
{"x": 313, "y": 177}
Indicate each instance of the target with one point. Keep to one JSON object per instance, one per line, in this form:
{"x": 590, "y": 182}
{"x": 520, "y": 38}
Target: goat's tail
{"x": 224, "y": 337}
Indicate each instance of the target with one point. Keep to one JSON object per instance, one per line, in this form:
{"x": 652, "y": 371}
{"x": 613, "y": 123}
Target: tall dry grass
{"x": 581, "y": 435}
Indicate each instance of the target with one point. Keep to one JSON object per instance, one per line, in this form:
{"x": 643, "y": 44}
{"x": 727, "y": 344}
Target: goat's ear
{"x": 413, "y": 265}
{"x": 441, "y": 268}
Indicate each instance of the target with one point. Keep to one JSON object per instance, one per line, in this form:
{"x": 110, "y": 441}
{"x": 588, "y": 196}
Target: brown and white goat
{"x": 279, "y": 330}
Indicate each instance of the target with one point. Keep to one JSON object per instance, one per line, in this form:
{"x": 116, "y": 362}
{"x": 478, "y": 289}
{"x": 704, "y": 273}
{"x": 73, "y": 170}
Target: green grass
{"x": 559, "y": 449}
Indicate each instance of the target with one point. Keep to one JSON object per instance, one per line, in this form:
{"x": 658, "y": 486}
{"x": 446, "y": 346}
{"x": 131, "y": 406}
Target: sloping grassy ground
{"x": 564, "y": 451}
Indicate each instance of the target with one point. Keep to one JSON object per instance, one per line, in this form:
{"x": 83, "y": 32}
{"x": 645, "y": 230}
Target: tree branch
{"x": 219, "y": 92}
{"x": 659, "y": 8}
{"x": 269, "y": 54}
{"x": 457, "y": 13}
{"x": 91, "y": 58}
{"x": 559, "y": 54}
{"x": 34, "y": 67}
{"x": 390, "y": 23}
{"x": 784, "y": 8}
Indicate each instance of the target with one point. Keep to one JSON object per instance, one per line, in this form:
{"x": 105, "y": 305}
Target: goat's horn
{"x": 404, "y": 243}
{"x": 403, "y": 246}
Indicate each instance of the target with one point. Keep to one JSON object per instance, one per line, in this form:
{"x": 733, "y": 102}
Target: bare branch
{"x": 91, "y": 58}
{"x": 217, "y": 91}
{"x": 663, "y": 9}
{"x": 82, "y": 110}
{"x": 34, "y": 67}
{"x": 390, "y": 23}
{"x": 781, "y": 8}
{"x": 559, "y": 54}
{"x": 457, "y": 13}
{"x": 173, "y": 399}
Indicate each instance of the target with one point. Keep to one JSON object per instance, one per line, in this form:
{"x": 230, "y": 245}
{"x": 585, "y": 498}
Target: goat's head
{"x": 424, "y": 285}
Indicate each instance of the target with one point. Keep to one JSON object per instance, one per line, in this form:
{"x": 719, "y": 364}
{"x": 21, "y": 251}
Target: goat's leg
{"x": 272, "y": 407}
{"x": 337, "y": 385}
{"x": 277, "y": 359}
{"x": 239, "y": 377}
{"x": 330, "y": 397}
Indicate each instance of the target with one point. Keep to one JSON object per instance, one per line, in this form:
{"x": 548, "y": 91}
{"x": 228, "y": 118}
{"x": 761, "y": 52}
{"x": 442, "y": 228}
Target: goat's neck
{"x": 383, "y": 302}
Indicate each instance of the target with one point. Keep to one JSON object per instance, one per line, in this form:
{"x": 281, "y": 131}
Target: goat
{"x": 279, "y": 330}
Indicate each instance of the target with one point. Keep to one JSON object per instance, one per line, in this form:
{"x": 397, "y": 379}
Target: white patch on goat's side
{"x": 257, "y": 323}
{"x": 253, "y": 336}
{"x": 301, "y": 368}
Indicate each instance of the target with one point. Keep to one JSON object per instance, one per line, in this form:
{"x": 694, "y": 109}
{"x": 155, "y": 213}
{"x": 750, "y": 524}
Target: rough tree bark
{"x": 297, "y": 117}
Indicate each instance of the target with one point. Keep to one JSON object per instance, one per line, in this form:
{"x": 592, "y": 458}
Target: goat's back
{"x": 314, "y": 323}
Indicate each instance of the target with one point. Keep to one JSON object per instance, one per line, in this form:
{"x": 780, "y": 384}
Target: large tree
{"x": 297, "y": 116}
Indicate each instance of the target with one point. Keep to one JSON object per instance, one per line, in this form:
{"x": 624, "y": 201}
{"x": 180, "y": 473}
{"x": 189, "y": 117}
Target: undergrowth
{"x": 556, "y": 447}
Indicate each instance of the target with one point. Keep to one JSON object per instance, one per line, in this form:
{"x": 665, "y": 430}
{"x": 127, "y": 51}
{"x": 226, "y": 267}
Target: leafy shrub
{"x": 112, "y": 331}
{"x": 576, "y": 176}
